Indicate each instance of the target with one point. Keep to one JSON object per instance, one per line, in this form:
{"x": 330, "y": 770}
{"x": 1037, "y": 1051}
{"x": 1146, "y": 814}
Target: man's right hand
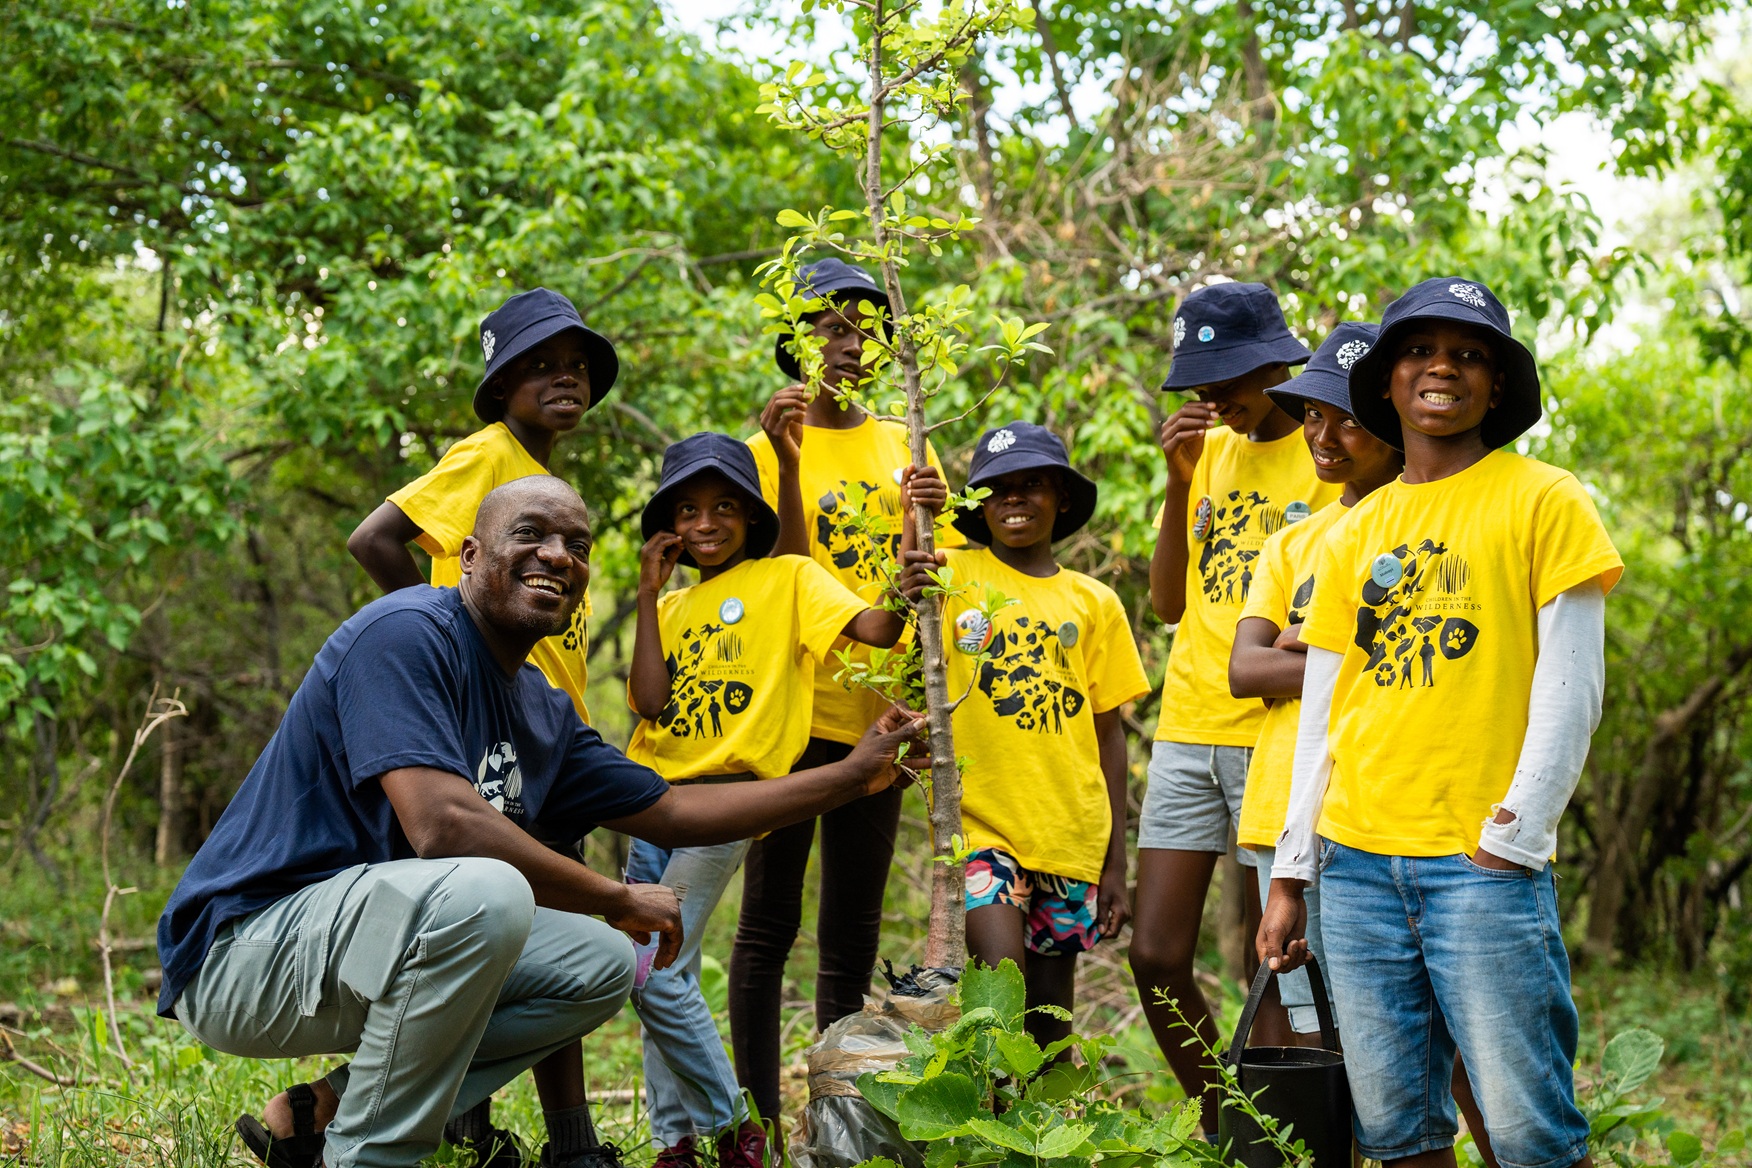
{"x": 782, "y": 421}
{"x": 651, "y": 908}
{"x": 1282, "y": 941}
{"x": 1183, "y": 437}
{"x": 874, "y": 756}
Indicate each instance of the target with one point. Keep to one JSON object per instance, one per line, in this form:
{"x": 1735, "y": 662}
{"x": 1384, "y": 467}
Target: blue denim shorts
{"x": 1431, "y": 954}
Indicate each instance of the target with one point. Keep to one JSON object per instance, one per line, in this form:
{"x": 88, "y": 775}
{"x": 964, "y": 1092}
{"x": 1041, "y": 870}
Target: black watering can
{"x": 1304, "y": 1089}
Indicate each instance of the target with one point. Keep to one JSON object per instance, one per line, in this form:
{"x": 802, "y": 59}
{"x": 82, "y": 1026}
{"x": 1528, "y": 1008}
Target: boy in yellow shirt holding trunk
{"x": 1043, "y": 798}
{"x": 1455, "y": 667}
{"x": 819, "y": 455}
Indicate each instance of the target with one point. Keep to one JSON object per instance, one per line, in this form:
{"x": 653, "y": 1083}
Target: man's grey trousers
{"x": 440, "y": 977}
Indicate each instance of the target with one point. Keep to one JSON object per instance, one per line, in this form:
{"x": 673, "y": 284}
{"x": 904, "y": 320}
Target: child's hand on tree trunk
{"x": 782, "y": 421}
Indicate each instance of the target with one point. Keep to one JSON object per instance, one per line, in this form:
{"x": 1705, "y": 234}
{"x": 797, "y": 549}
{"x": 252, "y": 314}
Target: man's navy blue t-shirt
{"x": 408, "y": 681}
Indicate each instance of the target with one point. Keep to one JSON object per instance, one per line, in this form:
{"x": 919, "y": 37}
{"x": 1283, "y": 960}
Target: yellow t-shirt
{"x": 1281, "y": 590}
{"x": 1432, "y": 592}
{"x": 442, "y": 503}
{"x": 839, "y": 467}
{"x": 1065, "y": 653}
{"x": 742, "y": 649}
{"x": 1248, "y": 485}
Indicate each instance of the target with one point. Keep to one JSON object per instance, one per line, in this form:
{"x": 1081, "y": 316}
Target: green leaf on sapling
{"x": 938, "y": 1108}
{"x": 1001, "y": 989}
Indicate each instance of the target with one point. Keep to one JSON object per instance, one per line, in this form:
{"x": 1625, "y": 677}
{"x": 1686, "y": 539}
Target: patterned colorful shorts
{"x": 1058, "y": 913}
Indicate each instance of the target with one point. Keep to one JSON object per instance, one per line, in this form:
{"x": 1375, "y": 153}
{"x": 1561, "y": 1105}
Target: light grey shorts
{"x": 1193, "y": 800}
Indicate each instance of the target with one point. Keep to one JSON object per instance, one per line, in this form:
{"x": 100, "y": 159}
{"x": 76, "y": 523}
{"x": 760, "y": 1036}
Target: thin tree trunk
{"x": 946, "y": 941}
{"x": 168, "y": 846}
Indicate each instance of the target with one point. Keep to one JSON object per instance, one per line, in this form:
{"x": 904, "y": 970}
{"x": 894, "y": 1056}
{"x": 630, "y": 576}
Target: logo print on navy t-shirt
{"x": 847, "y": 547}
{"x": 1030, "y": 679}
{"x": 499, "y": 780}
{"x": 703, "y": 682}
{"x": 1240, "y": 524}
{"x": 1405, "y": 627}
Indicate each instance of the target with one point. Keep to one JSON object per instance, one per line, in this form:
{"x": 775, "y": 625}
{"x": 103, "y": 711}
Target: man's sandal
{"x": 301, "y": 1149}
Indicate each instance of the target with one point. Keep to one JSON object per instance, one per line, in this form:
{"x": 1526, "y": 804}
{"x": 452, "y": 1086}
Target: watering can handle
{"x": 1322, "y": 1010}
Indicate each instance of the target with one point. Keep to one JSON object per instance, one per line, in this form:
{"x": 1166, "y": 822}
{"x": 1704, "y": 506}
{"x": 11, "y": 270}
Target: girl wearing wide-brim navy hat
{"x": 1327, "y": 377}
{"x": 1224, "y": 331}
{"x": 1453, "y": 300}
{"x": 525, "y": 321}
{"x": 1025, "y": 446}
{"x": 709, "y": 453}
{"x": 721, "y": 679}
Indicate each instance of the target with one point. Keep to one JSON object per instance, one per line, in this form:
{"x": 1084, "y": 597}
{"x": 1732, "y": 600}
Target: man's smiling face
{"x": 527, "y": 564}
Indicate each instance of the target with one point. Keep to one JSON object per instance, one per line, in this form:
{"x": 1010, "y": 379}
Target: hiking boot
{"x": 681, "y": 1155}
{"x": 746, "y": 1147}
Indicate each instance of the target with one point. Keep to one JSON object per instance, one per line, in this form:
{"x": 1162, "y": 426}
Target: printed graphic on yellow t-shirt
{"x": 1432, "y": 591}
{"x": 840, "y": 471}
{"x": 1060, "y": 655}
{"x": 1282, "y": 589}
{"x": 1241, "y": 493}
{"x": 742, "y": 650}
{"x": 442, "y": 503}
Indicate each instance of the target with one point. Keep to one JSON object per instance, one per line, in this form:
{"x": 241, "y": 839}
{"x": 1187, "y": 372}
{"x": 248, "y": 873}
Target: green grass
{"x": 174, "y": 1109}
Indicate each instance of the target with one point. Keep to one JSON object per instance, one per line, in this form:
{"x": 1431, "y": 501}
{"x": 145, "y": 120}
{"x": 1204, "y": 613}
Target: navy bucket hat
{"x": 525, "y": 321}
{"x": 1225, "y": 330}
{"x": 1327, "y": 377}
{"x": 1448, "y": 298}
{"x": 702, "y": 454}
{"x": 1024, "y": 446}
{"x": 829, "y": 279}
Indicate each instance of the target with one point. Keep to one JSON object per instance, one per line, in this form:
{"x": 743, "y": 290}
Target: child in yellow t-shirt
{"x": 1044, "y": 793}
{"x": 820, "y": 457}
{"x": 1228, "y": 489}
{"x": 721, "y": 680}
{"x": 1455, "y": 668}
{"x": 544, "y": 368}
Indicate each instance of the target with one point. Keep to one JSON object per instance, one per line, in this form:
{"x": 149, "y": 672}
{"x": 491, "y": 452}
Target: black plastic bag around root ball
{"x": 839, "y": 1128}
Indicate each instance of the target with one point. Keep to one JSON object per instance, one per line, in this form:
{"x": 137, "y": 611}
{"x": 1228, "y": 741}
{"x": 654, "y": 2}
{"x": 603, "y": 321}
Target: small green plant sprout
{"x": 1295, "y": 1154}
{"x": 1624, "y": 1129}
{"x": 984, "y": 1092}
{"x": 912, "y": 56}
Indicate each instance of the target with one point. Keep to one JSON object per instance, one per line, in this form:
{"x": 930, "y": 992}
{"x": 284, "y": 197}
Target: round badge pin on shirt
{"x": 1202, "y": 516}
{"x": 973, "y": 632}
{"x": 1386, "y": 571}
{"x": 1296, "y": 512}
{"x": 897, "y": 473}
{"x": 730, "y": 611}
{"x": 1068, "y": 634}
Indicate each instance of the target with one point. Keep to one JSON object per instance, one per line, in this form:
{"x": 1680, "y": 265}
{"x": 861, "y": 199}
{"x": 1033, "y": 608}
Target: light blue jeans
{"x": 1294, "y": 988}
{"x": 1430, "y": 954}
{"x": 690, "y": 1086}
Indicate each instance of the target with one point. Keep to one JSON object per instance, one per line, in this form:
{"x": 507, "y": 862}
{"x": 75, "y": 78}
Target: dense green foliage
{"x": 244, "y": 248}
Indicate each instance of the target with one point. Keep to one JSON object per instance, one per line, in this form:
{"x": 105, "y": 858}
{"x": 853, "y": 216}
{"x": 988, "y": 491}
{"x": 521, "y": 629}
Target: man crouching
{"x": 377, "y": 885}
